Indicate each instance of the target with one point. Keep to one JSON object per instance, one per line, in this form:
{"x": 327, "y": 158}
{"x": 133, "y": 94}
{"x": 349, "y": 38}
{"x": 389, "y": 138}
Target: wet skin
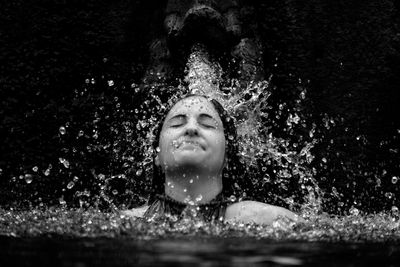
{"x": 192, "y": 139}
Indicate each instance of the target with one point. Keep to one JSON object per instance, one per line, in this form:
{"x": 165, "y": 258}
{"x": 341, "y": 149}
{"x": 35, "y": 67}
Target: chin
{"x": 188, "y": 161}
{"x": 190, "y": 153}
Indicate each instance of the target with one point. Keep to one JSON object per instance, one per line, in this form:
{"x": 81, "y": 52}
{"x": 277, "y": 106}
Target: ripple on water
{"x": 360, "y": 228}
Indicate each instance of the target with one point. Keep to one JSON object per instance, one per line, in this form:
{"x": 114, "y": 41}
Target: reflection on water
{"x": 185, "y": 251}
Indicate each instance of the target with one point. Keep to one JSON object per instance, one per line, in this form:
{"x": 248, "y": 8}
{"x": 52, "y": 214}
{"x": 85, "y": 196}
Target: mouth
{"x": 189, "y": 144}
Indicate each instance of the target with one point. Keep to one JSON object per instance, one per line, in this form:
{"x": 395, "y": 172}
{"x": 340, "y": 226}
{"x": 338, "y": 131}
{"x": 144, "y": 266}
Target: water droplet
{"x": 335, "y": 192}
{"x": 139, "y": 172}
{"x": 389, "y": 195}
{"x": 62, "y": 130}
{"x": 70, "y": 185}
{"x": 354, "y": 211}
{"x": 28, "y": 178}
{"x": 199, "y": 198}
{"x": 324, "y": 160}
{"x": 175, "y": 143}
{"x": 47, "y": 172}
{"x": 64, "y": 162}
{"x": 62, "y": 201}
{"x": 395, "y": 212}
{"x": 191, "y": 181}
{"x": 395, "y": 179}
{"x": 110, "y": 83}
{"x": 232, "y": 198}
{"x": 35, "y": 169}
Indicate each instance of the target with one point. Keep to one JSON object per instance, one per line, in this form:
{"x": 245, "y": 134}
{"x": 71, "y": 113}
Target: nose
{"x": 192, "y": 128}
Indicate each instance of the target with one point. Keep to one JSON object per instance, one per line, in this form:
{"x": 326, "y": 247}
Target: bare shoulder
{"x": 257, "y": 212}
{"x": 137, "y": 212}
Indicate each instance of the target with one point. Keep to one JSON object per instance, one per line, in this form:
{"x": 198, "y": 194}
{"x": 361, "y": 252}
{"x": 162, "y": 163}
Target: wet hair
{"x": 233, "y": 174}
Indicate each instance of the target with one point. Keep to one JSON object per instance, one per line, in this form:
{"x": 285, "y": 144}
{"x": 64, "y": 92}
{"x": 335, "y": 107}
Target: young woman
{"x": 197, "y": 166}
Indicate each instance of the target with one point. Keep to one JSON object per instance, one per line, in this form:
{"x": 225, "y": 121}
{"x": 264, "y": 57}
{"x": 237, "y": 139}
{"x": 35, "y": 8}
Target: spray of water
{"x": 105, "y": 163}
{"x": 110, "y": 145}
{"x": 259, "y": 148}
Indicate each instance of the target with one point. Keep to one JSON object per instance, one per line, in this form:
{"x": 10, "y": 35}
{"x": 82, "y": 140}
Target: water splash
{"x": 107, "y": 141}
{"x": 203, "y": 74}
{"x": 354, "y": 228}
{"x": 110, "y": 149}
{"x": 259, "y": 148}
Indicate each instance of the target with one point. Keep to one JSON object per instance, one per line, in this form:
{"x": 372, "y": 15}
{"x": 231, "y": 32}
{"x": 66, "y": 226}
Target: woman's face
{"x": 192, "y": 137}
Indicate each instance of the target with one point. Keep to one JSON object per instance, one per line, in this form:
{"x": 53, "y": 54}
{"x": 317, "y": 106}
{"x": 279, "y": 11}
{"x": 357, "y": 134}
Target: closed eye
{"x": 204, "y": 120}
{"x": 177, "y": 121}
{"x": 176, "y": 125}
{"x": 208, "y": 121}
{"x": 209, "y": 124}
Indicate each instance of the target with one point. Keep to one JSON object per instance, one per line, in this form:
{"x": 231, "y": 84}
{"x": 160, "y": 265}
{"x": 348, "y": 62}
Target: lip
{"x": 189, "y": 146}
{"x": 189, "y": 143}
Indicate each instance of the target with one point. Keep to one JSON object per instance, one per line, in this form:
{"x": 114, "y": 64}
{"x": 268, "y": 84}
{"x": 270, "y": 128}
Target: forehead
{"x": 193, "y": 105}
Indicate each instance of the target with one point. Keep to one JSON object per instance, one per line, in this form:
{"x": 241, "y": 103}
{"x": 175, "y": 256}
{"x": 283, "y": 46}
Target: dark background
{"x": 346, "y": 54}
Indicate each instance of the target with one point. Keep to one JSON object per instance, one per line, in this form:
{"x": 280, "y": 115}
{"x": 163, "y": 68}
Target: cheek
{"x": 220, "y": 143}
{"x": 166, "y": 140}
{"x": 163, "y": 144}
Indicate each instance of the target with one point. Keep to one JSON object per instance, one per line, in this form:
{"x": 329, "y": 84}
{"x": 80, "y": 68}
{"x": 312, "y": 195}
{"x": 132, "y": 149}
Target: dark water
{"x": 185, "y": 251}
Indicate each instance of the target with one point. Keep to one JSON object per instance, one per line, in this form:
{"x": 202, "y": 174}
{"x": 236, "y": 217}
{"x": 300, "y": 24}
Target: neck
{"x": 193, "y": 189}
